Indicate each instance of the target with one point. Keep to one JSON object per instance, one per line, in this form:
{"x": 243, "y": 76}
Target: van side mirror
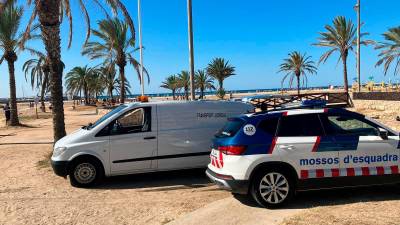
{"x": 383, "y": 133}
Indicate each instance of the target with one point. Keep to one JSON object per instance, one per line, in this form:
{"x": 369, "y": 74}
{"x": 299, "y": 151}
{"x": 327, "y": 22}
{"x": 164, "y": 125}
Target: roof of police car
{"x": 293, "y": 111}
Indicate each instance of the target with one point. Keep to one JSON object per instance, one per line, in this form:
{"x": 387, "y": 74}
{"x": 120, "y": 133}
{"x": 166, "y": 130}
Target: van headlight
{"x": 58, "y": 151}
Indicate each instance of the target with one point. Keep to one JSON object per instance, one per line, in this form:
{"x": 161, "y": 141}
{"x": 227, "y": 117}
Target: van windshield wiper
{"x": 87, "y": 127}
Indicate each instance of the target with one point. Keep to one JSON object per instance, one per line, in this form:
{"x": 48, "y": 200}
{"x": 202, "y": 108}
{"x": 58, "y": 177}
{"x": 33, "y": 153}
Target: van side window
{"x": 344, "y": 125}
{"x": 300, "y": 126}
{"x": 269, "y": 126}
{"x": 134, "y": 121}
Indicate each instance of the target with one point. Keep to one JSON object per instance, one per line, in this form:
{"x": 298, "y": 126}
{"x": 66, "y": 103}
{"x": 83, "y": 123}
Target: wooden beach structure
{"x": 275, "y": 102}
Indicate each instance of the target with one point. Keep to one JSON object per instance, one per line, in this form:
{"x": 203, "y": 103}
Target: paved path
{"x": 233, "y": 211}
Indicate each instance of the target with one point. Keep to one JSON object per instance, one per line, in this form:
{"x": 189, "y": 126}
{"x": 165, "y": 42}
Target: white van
{"x": 143, "y": 137}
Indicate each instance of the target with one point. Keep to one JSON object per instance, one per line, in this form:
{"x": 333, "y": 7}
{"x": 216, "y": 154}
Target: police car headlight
{"x": 58, "y": 151}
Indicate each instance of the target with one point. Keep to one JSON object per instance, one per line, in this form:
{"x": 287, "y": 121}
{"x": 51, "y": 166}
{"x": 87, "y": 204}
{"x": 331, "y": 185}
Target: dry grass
{"x": 45, "y": 162}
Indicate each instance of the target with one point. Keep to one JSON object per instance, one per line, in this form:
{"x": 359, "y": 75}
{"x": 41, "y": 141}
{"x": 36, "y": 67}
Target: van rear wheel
{"x": 272, "y": 188}
{"x": 85, "y": 173}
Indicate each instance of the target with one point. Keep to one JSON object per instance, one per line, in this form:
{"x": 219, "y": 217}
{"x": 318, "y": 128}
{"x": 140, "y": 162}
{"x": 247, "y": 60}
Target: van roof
{"x": 181, "y": 102}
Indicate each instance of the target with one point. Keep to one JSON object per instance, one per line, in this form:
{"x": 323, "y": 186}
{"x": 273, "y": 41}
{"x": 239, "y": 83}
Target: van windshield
{"x": 230, "y": 128}
{"x": 106, "y": 116}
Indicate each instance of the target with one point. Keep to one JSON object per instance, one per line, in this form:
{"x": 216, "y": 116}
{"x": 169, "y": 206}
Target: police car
{"x": 271, "y": 155}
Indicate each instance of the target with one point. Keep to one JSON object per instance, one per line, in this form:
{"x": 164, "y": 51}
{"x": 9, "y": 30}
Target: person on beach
{"x": 7, "y": 113}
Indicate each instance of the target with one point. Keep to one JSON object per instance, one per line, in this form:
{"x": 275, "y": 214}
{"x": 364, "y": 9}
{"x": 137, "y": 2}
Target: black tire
{"x": 85, "y": 172}
{"x": 275, "y": 194}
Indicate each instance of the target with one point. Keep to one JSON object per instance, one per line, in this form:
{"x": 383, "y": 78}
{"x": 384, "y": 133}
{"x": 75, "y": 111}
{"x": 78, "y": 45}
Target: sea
{"x": 169, "y": 94}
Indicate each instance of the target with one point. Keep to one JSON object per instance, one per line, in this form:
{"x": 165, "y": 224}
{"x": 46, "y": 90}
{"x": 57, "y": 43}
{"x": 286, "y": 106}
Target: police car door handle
{"x": 288, "y": 147}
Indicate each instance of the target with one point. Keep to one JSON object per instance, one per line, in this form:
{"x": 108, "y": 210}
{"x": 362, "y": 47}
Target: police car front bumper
{"x": 228, "y": 183}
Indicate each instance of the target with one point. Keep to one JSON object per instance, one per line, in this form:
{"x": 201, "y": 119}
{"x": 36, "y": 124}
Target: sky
{"x": 255, "y": 36}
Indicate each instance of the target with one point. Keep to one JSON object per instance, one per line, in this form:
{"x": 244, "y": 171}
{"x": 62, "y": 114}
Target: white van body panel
{"x": 180, "y": 138}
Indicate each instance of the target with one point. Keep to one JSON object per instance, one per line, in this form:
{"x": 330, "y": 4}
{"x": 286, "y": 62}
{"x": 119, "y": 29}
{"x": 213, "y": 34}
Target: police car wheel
{"x": 272, "y": 189}
{"x": 85, "y": 173}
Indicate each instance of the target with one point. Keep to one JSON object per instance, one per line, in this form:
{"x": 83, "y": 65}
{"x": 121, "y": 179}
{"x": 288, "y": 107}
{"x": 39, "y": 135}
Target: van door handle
{"x": 149, "y": 138}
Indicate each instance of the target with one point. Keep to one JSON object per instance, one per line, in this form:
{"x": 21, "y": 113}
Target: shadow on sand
{"x": 310, "y": 199}
{"x": 159, "y": 181}
{"x": 196, "y": 178}
{"x": 27, "y": 126}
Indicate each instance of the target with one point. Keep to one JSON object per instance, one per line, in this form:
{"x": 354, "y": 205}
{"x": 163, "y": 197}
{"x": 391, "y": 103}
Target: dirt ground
{"x": 32, "y": 194}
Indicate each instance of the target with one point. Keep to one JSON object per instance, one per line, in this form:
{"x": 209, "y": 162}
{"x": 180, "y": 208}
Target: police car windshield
{"x": 230, "y": 128}
{"x": 105, "y": 117}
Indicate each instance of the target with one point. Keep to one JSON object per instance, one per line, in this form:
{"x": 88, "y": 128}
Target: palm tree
{"x": 108, "y": 75}
{"x": 340, "y": 38}
{"x": 295, "y": 66}
{"x": 77, "y": 80}
{"x": 38, "y": 69}
{"x": 10, "y": 20}
{"x": 390, "y": 50}
{"x": 203, "y": 82}
{"x": 115, "y": 46}
{"x": 50, "y": 14}
{"x": 127, "y": 87}
{"x": 184, "y": 82}
{"x": 220, "y": 70}
{"x": 171, "y": 83}
{"x": 95, "y": 84}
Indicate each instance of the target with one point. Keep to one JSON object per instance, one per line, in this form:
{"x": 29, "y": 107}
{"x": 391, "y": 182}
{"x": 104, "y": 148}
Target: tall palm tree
{"x": 77, "y": 80}
{"x": 171, "y": 83}
{"x": 390, "y": 50}
{"x": 184, "y": 82}
{"x": 341, "y": 37}
{"x": 203, "y": 82}
{"x": 115, "y": 46}
{"x": 108, "y": 74}
{"x": 50, "y": 14}
{"x": 127, "y": 87}
{"x": 10, "y": 20}
{"x": 38, "y": 70}
{"x": 295, "y": 66}
{"x": 220, "y": 70}
{"x": 95, "y": 84}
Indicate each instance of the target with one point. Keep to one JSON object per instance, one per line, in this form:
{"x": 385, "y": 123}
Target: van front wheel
{"x": 85, "y": 173}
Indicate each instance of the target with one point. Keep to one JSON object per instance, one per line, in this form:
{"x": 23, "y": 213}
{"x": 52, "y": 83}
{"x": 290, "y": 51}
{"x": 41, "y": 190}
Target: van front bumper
{"x": 60, "y": 168}
{"x": 228, "y": 183}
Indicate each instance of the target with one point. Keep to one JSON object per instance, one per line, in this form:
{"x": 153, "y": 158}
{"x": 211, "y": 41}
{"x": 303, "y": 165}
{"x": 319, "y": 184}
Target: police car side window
{"x": 269, "y": 126}
{"x": 342, "y": 125}
{"x": 300, "y": 126}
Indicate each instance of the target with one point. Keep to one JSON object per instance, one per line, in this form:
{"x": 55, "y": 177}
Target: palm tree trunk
{"x": 346, "y": 85}
{"x": 13, "y": 96}
{"x": 298, "y": 84}
{"x": 186, "y": 93}
{"x": 221, "y": 84}
{"x": 85, "y": 92}
{"x": 173, "y": 94}
{"x": 110, "y": 93}
{"x": 43, "y": 91}
{"x": 122, "y": 78}
{"x": 48, "y": 11}
{"x": 201, "y": 93}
